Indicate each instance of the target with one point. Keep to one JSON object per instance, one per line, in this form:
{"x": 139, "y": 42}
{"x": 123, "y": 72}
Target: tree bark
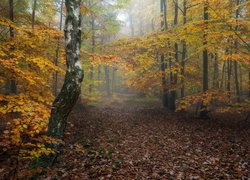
{"x": 57, "y": 50}
{"x": 71, "y": 89}
{"x": 165, "y": 93}
{"x": 237, "y": 86}
{"x": 131, "y": 24}
{"x": 34, "y": 13}
{"x": 229, "y": 74}
{"x": 216, "y": 72}
{"x": 107, "y": 78}
{"x": 173, "y": 78}
{"x": 184, "y": 51}
{"x": 165, "y": 21}
{"x": 203, "y": 111}
{"x": 164, "y": 82}
{"x": 223, "y": 75}
{"x": 13, "y": 88}
{"x": 152, "y": 24}
{"x": 249, "y": 84}
{"x": 113, "y": 80}
{"x": 91, "y": 75}
{"x": 141, "y": 26}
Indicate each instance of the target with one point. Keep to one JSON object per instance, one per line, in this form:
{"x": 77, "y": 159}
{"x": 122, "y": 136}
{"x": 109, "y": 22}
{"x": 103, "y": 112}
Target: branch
{"x": 248, "y": 46}
{"x": 191, "y": 6}
{"x": 178, "y": 6}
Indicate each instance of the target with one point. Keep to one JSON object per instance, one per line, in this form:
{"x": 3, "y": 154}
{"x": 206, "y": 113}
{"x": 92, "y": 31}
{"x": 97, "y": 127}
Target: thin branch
{"x": 248, "y": 46}
{"x": 178, "y": 6}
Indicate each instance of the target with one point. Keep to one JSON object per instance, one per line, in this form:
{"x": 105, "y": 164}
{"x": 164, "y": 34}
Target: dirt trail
{"x": 139, "y": 143}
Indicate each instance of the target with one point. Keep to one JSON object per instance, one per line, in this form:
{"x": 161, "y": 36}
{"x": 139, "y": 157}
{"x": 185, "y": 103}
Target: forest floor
{"x": 137, "y": 142}
{"x": 125, "y": 141}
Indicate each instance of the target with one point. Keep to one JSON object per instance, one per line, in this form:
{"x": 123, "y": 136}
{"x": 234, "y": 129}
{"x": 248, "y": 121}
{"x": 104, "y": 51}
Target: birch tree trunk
{"x": 71, "y": 89}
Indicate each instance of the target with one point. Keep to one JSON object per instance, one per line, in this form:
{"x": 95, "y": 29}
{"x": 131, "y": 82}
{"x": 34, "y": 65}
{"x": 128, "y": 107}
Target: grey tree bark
{"x": 216, "y": 71}
{"x": 57, "y": 50}
{"x": 13, "y": 87}
{"x": 184, "y": 51}
{"x": 93, "y": 39}
{"x": 203, "y": 110}
{"x": 173, "y": 78}
{"x": 107, "y": 79}
{"x": 34, "y": 13}
{"x": 71, "y": 89}
{"x": 237, "y": 86}
{"x": 249, "y": 84}
{"x": 229, "y": 75}
{"x": 131, "y": 24}
{"x": 165, "y": 93}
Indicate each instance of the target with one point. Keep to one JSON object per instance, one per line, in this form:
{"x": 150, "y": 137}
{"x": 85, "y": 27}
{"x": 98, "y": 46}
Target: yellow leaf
{"x": 6, "y": 132}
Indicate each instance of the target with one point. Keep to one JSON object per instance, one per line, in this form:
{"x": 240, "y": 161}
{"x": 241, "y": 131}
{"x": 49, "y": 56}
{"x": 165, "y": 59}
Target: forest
{"x": 125, "y": 89}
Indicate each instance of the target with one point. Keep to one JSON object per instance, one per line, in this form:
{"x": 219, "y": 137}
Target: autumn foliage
{"x": 27, "y": 59}
{"x": 189, "y": 56}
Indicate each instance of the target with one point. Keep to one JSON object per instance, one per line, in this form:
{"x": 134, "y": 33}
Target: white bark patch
{"x": 78, "y": 65}
{"x": 76, "y": 13}
{"x": 68, "y": 31}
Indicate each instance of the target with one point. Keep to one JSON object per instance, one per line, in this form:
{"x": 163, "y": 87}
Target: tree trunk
{"x": 165, "y": 21}
{"x": 241, "y": 79}
{"x": 152, "y": 24}
{"x": 229, "y": 74}
{"x": 203, "y": 111}
{"x": 164, "y": 82}
{"x": 57, "y": 50}
{"x": 141, "y": 27}
{"x": 223, "y": 75}
{"x": 249, "y": 84}
{"x": 174, "y": 75}
{"x": 91, "y": 75}
{"x": 113, "y": 80}
{"x": 34, "y": 13}
{"x": 184, "y": 51}
{"x": 71, "y": 89}
{"x": 13, "y": 88}
{"x": 216, "y": 72}
{"x": 106, "y": 69}
{"x": 237, "y": 87}
{"x": 131, "y": 24}
{"x": 162, "y": 58}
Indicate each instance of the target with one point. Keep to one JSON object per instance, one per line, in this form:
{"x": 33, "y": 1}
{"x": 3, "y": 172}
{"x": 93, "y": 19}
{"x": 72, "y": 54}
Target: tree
{"x": 164, "y": 26}
{"x": 237, "y": 86}
{"x": 34, "y": 13}
{"x": 71, "y": 89}
{"x": 13, "y": 88}
{"x": 58, "y": 48}
{"x": 203, "y": 110}
{"x": 173, "y": 75}
{"x": 184, "y": 50}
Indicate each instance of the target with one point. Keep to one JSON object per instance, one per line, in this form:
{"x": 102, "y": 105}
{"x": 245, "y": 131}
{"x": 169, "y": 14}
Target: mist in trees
{"x": 110, "y": 86}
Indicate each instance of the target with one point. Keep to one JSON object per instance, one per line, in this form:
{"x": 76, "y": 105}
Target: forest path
{"x": 129, "y": 142}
